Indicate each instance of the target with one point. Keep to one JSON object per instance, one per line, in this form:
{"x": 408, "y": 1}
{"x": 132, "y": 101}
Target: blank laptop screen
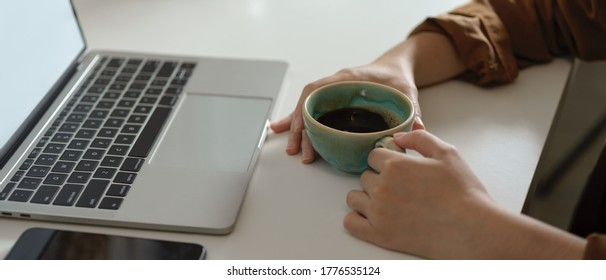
{"x": 40, "y": 40}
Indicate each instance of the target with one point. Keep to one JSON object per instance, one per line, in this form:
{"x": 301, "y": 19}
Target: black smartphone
{"x": 53, "y": 244}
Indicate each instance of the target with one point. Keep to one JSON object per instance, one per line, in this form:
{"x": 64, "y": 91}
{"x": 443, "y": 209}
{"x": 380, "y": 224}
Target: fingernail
{"x": 307, "y": 157}
{"x": 398, "y": 135}
{"x": 419, "y": 121}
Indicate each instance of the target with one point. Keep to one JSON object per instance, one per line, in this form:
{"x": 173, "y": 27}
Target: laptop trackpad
{"x": 213, "y": 132}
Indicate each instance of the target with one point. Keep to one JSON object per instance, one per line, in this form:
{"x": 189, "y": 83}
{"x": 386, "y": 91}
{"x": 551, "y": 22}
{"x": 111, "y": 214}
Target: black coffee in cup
{"x": 354, "y": 119}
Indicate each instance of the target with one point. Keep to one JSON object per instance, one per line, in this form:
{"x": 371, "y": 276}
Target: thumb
{"x": 421, "y": 141}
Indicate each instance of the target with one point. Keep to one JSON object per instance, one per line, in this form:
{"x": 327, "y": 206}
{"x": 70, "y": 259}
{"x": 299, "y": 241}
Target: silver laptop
{"x": 124, "y": 139}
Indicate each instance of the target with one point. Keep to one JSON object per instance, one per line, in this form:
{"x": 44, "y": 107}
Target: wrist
{"x": 515, "y": 236}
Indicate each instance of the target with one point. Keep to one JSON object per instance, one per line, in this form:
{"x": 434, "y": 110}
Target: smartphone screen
{"x": 51, "y": 244}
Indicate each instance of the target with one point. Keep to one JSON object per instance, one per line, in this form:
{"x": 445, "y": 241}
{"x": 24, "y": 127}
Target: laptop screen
{"x": 40, "y": 41}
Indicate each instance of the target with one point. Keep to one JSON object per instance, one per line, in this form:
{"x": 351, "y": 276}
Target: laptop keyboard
{"x": 91, "y": 154}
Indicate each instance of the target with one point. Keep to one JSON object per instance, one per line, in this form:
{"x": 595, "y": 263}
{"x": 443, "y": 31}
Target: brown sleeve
{"x": 495, "y": 38}
{"x": 596, "y": 247}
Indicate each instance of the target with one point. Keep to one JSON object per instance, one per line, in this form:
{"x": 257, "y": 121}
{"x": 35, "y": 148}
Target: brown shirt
{"x": 495, "y": 38}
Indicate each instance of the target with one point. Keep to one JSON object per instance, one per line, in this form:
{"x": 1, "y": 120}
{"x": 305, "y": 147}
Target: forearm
{"x": 426, "y": 58}
{"x": 514, "y": 236}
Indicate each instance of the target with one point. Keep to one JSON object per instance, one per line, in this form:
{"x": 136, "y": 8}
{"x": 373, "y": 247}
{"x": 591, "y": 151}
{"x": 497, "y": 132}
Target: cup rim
{"x": 390, "y": 131}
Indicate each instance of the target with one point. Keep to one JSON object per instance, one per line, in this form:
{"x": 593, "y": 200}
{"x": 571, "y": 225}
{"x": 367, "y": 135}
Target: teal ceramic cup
{"x": 345, "y": 150}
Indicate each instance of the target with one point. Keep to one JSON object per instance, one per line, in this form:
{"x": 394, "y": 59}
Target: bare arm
{"x": 426, "y": 58}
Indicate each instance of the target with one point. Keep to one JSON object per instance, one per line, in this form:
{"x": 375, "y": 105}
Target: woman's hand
{"x": 434, "y": 206}
{"x": 383, "y": 72}
{"x": 430, "y": 206}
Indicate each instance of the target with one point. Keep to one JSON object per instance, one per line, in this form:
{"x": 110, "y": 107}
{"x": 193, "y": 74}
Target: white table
{"x": 295, "y": 211}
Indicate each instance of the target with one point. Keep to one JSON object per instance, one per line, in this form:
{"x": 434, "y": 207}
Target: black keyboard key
{"x": 143, "y": 109}
{"x": 117, "y": 150}
{"x": 45, "y": 194}
{"x": 68, "y": 194}
{"x": 108, "y": 73}
{"x": 118, "y": 190}
{"x": 92, "y": 98}
{"x": 135, "y": 62}
{"x": 132, "y": 164}
{"x": 128, "y": 70}
{"x": 148, "y": 100}
{"x": 168, "y": 100}
{"x": 111, "y": 203}
{"x": 120, "y": 113}
{"x": 125, "y": 178}
{"x": 55, "y": 179}
{"x": 167, "y": 69}
{"x": 176, "y": 90}
{"x": 7, "y": 190}
{"x": 42, "y": 142}
{"x": 111, "y": 161}
{"x": 62, "y": 137}
{"x": 143, "y": 77}
{"x": 78, "y": 144}
{"x": 150, "y": 66}
{"x": 54, "y": 148}
{"x": 71, "y": 155}
{"x": 188, "y": 65}
{"x": 131, "y": 128}
{"x": 87, "y": 165}
{"x": 86, "y": 133}
{"x": 117, "y": 87}
{"x": 92, "y": 193}
{"x": 183, "y": 73}
{"x": 46, "y": 159}
{"x": 76, "y": 118}
{"x": 132, "y": 94}
{"x": 153, "y": 91}
{"x": 17, "y": 176}
{"x": 114, "y": 122}
{"x": 20, "y": 195}
{"x": 57, "y": 122}
{"x": 126, "y": 103}
{"x": 125, "y": 139}
{"x": 137, "y": 86}
{"x": 102, "y": 81}
{"x": 104, "y": 104}
{"x": 158, "y": 83}
{"x": 95, "y": 89}
{"x": 115, "y": 62}
{"x": 100, "y": 143}
{"x": 107, "y": 132}
{"x": 92, "y": 123}
{"x": 137, "y": 119}
{"x": 83, "y": 108}
{"x": 64, "y": 167}
{"x": 95, "y": 154}
{"x": 105, "y": 173}
{"x": 51, "y": 131}
{"x": 29, "y": 183}
{"x": 98, "y": 114}
{"x": 150, "y": 132}
{"x": 38, "y": 171}
{"x": 35, "y": 152}
{"x": 124, "y": 78}
{"x": 79, "y": 177}
{"x": 26, "y": 164}
{"x": 111, "y": 95}
{"x": 69, "y": 127}
{"x": 178, "y": 82}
